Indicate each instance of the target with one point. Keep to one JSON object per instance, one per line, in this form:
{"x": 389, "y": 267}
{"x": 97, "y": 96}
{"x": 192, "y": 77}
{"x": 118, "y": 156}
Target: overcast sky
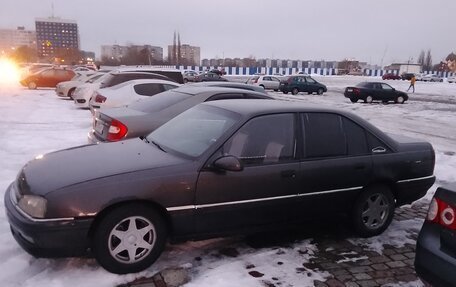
{"x": 288, "y": 29}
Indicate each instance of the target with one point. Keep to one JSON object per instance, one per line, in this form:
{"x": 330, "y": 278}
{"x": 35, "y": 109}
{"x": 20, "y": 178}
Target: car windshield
{"x": 194, "y": 131}
{"x": 93, "y": 78}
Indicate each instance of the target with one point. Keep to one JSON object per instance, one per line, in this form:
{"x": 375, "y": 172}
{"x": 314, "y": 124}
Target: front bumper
{"x": 48, "y": 237}
{"x": 432, "y": 263}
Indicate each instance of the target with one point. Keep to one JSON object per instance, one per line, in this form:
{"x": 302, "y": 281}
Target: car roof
{"x": 143, "y": 68}
{"x": 234, "y": 85}
{"x": 252, "y": 107}
{"x": 194, "y": 89}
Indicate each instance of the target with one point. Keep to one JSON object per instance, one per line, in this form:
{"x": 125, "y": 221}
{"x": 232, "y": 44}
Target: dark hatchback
{"x": 47, "y": 78}
{"x": 435, "y": 260}
{"x": 222, "y": 167}
{"x": 210, "y": 77}
{"x": 300, "y": 83}
{"x": 373, "y": 91}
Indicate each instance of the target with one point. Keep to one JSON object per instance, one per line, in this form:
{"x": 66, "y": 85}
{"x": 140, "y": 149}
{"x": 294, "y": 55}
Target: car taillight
{"x": 442, "y": 213}
{"x": 100, "y": 99}
{"x": 356, "y": 91}
{"x": 117, "y": 131}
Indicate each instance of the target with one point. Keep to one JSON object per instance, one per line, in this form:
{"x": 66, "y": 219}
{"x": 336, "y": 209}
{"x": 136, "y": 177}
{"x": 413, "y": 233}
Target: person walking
{"x": 412, "y": 84}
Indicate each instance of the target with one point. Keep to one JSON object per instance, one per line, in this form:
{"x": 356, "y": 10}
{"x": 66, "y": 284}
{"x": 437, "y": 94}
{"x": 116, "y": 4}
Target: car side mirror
{"x": 229, "y": 163}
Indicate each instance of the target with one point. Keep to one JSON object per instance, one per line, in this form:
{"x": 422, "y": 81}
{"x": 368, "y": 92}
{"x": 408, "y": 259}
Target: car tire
{"x": 108, "y": 247}
{"x": 276, "y": 90}
{"x": 368, "y": 99}
{"x": 373, "y": 211}
{"x": 320, "y": 91}
{"x": 263, "y": 87}
{"x": 354, "y": 100}
{"x": 185, "y": 81}
{"x": 32, "y": 86}
{"x": 399, "y": 100}
{"x": 294, "y": 91}
{"x": 285, "y": 92}
{"x": 71, "y": 92}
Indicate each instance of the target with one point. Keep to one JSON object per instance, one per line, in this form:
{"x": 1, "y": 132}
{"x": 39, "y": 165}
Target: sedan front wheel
{"x": 400, "y": 100}
{"x": 129, "y": 238}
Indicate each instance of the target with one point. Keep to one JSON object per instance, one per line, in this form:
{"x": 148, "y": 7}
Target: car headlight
{"x": 33, "y": 205}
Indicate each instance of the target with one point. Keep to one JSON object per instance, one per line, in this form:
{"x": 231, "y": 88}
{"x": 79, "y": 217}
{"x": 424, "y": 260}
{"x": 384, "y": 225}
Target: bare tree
{"x": 428, "y": 61}
{"x": 421, "y": 58}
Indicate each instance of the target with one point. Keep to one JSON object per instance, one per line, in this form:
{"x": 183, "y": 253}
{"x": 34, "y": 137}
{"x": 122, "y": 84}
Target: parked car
{"x": 47, "y": 78}
{"x": 419, "y": 76}
{"x": 129, "y": 92}
{"x": 373, "y": 91}
{"x": 82, "y": 96}
{"x": 432, "y": 78}
{"x": 139, "y": 119}
{"x": 66, "y": 89}
{"x": 222, "y": 167}
{"x": 209, "y": 77}
{"x": 451, "y": 79}
{"x": 407, "y": 76}
{"x": 266, "y": 82}
{"x": 390, "y": 76}
{"x": 189, "y": 76}
{"x": 235, "y": 85}
{"x": 301, "y": 83}
{"x": 435, "y": 259}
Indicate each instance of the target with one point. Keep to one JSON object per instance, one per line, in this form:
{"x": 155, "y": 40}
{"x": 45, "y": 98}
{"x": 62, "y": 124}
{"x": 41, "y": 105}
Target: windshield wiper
{"x": 157, "y": 145}
{"x": 144, "y": 139}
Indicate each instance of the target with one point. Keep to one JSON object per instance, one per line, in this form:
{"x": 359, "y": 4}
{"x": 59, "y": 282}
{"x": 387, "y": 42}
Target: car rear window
{"x": 159, "y": 101}
{"x": 364, "y": 85}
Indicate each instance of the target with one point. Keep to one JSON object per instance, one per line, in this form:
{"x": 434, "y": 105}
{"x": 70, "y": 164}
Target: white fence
{"x": 245, "y": 71}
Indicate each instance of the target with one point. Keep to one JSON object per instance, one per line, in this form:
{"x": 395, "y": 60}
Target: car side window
{"x": 310, "y": 80}
{"x": 225, "y": 97}
{"x": 167, "y": 87}
{"x": 266, "y": 78}
{"x": 356, "y": 138}
{"x": 148, "y": 89}
{"x": 264, "y": 140}
{"x": 275, "y": 79}
{"x": 323, "y": 135}
{"x": 386, "y": 87}
{"x": 48, "y": 74}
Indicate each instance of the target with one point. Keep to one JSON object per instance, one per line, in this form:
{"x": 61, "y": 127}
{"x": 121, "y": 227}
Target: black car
{"x": 141, "y": 118}
{"x": 373, "y": 91}
{"x": 301, "y": 83}
{"x": 235, "y": 85}
{"x": 435, "y": 260}
{"x": 407, "y": 76}
{"x": 221, "y": 167}
{"x": 209, "y": 77}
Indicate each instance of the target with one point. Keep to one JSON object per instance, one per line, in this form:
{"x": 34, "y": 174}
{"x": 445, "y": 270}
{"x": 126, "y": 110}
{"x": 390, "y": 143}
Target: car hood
{"x": 76, "y": 165}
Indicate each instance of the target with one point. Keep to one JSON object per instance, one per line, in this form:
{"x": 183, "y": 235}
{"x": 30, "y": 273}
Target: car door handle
{"x": 379, "y": 149}
{"x": 288, "y": 173}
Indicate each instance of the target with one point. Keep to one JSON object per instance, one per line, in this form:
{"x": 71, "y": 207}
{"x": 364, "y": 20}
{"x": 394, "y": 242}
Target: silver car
{"x": 265, "y": 81}
{"x": 66, "y": 89}
{"x": 432, "y": 78}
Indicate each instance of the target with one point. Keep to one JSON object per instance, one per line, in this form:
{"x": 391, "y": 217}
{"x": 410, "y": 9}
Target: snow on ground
{"x": 37, "y": 122}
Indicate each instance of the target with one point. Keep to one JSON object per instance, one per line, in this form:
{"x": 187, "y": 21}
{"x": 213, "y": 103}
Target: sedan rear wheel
{"x": 354, "y": 100}
{"x": 400, "y": 100}
{"x": 295, "y": 91}
{"x": 368, "y": 99}
{"x": 32, "y": 86}
{"x": 129, "y": 238}
{"x": 373, "y": 211}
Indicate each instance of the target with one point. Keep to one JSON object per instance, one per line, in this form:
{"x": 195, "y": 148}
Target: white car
{"x": 66, "y": 89}
{"x": 451, "y": 79}
{"x": 128, "y": 92}
{"x": 265, "y": 81}
{"x": 432, "y": 78}
{"x": 83, "y": 93}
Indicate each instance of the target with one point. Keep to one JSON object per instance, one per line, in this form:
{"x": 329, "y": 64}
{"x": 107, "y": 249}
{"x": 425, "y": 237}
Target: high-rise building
{"x": 56, "y": 37}
{"x": 11, "y": 39}
{"x": 117, "y": 52}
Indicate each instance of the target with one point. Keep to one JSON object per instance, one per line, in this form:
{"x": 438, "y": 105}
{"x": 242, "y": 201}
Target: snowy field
{"x": 37, "y": 122}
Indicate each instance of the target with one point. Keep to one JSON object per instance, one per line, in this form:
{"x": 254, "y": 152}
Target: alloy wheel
{"x": 375, "y": 211}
